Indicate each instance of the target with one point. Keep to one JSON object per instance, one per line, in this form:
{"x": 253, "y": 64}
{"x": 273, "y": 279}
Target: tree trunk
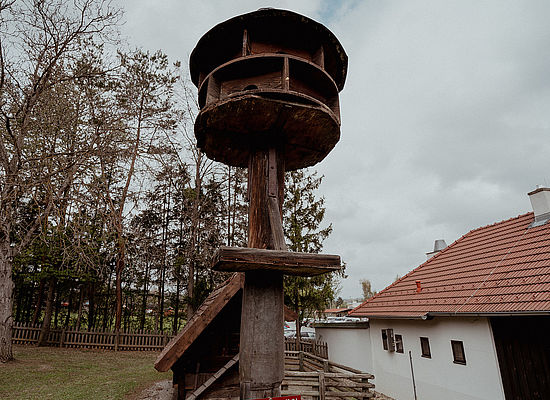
{"x": 194, "y": 232}
{"x": 106, "y": 316}
{"x": 38, "y": 307}
{"x": 118, "y": 285}
{"x": 166, "y": 221}
{"x": 45, "y": 329}
{"x": 80, "y": 305}
{"x": 20, "y": 289}
{"x": 6, "y": 302}
{"x": 144, "y": 295}
{"x": 298, "y": 328}
{"x": 57, "y": 300}
{"x": 28, "y": 303}
{"x": 69, "y": 306}
{"x": 91, "y": 306}
{"x": 176, "y": 308}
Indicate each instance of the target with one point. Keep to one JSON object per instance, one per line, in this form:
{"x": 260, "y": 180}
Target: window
{"x": 388, "y": 340}
{"x": 399, "y": 343}
{"x": 425, "y": 346}
{"x": 458, "y": 352}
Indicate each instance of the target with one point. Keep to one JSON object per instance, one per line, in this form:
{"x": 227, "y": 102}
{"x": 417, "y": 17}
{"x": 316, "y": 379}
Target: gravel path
{"x": 158, "y": 391}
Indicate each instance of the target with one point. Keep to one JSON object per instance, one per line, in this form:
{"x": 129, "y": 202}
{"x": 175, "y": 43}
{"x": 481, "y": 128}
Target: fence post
{"x": 117, "y": 339}
{"x": 321, "y": 385}
{"x": 301, "y": 361}
{"x": 164, "y": 340}
{"x": 326, "y": 366}
{"x": 62, "y": 338}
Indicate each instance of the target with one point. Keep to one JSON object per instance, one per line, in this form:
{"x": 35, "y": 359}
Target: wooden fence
{"x": 93, "y": 339}
{"x": 317, "y": 378}
{"x": 127, "y": 340}
{"x": 317, "y": 348}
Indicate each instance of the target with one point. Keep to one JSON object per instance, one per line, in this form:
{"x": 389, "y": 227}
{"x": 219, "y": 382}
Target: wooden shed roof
{"x": 206, "y": 313}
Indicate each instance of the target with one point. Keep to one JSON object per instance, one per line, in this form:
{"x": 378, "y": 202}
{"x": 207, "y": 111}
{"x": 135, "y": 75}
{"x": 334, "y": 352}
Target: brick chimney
{"x": 540, "y": 201}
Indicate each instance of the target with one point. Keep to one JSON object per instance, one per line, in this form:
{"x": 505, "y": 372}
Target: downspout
{"x": 412, "y": 374}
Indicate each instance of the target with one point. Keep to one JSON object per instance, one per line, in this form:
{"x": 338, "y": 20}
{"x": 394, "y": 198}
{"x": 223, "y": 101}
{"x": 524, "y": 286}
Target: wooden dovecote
{"x": 268, "y": 85}
{"x": 262, "y": 77}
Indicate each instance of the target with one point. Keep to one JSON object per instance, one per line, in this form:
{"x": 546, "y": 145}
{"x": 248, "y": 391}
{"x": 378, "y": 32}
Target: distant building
{"x": 336, "y": 312}
{"x": 472, "y": 322}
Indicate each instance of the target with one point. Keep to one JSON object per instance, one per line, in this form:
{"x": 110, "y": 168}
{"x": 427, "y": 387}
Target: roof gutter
{"x": 488, "y": 314}
{"x": 378, "y": 316}
{"x": 430, "y": 315}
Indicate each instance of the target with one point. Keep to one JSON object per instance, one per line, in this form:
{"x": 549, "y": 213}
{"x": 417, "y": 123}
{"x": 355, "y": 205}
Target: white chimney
{"x": 540, "y": 201}
{"x": 438, "y": 246}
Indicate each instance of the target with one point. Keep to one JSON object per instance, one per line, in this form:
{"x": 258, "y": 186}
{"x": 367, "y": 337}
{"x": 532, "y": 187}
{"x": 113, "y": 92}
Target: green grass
{"x": 53, "y": 373}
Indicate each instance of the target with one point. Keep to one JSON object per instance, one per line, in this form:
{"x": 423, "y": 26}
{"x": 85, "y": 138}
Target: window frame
{"x": 425, "y": 349}
{"x": 457, "y": 346}
{"x": 384, "y": 339}
{"x": 399, "y": 348}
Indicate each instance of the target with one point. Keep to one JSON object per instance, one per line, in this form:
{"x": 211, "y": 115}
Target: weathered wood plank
{"x": 201, "y": 320}
{"x": 291, "y": 263}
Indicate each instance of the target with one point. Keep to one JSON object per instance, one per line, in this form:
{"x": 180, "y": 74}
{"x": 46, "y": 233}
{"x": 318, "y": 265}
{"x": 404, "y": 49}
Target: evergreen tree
{"x": 303, "y": 218}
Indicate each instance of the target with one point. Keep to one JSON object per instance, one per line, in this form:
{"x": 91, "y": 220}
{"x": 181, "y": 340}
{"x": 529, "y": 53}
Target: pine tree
{"x": 303, "y": 218}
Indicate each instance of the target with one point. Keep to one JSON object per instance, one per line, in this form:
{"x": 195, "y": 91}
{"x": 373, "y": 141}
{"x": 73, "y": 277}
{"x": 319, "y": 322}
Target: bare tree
{"x": 144, "y": 99}
{"x": 367, "y": 289}
{"x": 41, "y": 43}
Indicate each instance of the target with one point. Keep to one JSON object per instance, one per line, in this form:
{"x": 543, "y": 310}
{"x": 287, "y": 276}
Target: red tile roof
{"x": 336, "y": 310}
{"x": 500, "y": 268}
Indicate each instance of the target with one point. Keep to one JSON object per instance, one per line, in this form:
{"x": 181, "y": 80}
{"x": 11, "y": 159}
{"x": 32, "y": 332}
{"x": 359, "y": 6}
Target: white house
{"x": 472, "y": 322}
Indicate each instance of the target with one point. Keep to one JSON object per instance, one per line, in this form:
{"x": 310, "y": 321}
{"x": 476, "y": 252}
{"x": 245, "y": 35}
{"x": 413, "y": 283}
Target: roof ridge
{"x": 500, "y": 222}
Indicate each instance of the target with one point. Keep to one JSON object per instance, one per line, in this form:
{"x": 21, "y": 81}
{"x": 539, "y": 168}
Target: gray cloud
{"x": 445, "y": 116}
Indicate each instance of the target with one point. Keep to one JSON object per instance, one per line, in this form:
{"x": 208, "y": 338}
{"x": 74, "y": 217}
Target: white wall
{"x": 348, "y": 346}
{"x": 436, "y": 377}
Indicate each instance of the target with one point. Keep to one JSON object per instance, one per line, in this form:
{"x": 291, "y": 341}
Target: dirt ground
{"x": 158, "y": 391}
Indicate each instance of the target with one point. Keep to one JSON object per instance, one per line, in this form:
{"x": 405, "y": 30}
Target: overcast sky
{"x": 445, "y": 116}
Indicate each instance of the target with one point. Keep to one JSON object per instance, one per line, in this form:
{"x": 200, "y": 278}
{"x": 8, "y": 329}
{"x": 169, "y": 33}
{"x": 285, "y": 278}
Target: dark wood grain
{"x": 300, "y": 264}
{"x": 261, "y": 365}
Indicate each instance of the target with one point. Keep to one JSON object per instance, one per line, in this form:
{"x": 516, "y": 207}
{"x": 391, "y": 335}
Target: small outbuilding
{"x": 204, "y": 355}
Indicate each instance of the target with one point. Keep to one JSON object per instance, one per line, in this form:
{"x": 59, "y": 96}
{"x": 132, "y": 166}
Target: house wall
{"x": 348, "y": 346}
{"x": 437, "y": 377}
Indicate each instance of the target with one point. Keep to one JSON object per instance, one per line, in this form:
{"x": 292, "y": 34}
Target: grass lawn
{"x": 53, "y": 373}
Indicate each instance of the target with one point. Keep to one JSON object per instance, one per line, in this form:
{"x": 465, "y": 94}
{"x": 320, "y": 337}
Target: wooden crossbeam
{"x": 239, "y": 259}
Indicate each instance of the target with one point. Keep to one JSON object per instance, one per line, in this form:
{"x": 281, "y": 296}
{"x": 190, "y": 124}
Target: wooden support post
{"x": 62, "y": 338}
{"x": 301, "y": 361}
{"x": 321, "y": 385}
{"x": 261, "y": 365}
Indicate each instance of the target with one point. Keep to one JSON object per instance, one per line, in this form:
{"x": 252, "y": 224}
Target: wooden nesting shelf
{"x": 240, "y": 259}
